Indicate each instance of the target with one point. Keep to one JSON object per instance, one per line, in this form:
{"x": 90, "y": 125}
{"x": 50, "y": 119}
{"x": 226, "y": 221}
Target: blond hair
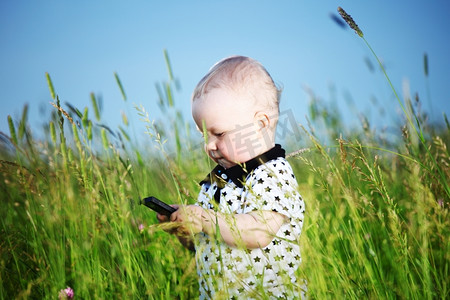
{"x": 242, "y": 75}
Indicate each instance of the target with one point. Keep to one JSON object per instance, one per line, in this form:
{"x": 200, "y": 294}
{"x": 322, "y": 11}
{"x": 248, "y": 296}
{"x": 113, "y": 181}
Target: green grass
{"x": 70, "y": 218}
{"x": 376, "y": 224}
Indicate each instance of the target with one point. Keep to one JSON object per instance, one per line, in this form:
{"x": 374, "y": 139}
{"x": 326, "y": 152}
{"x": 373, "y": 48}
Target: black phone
{"x": 158, "y": 206}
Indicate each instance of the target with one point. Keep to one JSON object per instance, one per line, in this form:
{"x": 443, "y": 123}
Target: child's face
{"x": 232, "y": 127}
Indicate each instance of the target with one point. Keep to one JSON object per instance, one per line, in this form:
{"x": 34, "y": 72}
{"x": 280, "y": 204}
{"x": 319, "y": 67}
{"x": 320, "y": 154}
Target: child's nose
{"x": 211, "y": 145}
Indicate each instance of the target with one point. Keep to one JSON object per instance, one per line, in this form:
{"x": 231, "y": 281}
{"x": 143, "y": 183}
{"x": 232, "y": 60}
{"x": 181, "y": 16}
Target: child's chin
{"x": 225, "y": 163}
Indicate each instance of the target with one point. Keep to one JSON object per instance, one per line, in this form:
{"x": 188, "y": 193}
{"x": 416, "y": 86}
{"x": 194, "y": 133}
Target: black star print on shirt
{"x": 265, "y": 188}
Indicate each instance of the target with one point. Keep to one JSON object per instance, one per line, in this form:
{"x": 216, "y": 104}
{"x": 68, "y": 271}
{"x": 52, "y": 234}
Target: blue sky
{"x": 82, "y": 43}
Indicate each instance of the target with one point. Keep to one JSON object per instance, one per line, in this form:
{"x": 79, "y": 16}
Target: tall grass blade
{"x": 95, "y": 107}
{"x": 119, "y": 83}
{"x": 52, "y": 132}
{"x": 168, "y": 65}
{"x": 74, "y": 110}
{"x": 12, "y": 130}
{"x": 446, "y": 121}
{"x": 50, "y": 85}
{"x": 125, "y": 134}
{"x": 23, "y": 121}
{"x": 425, "y": 64}
{"x": 161, "y": 102}
{"x": 89, "y": 131}
{"x": 169, "y": 95}
{"x": 105, "y": 141}
{"x": 124, "y": 118}
{"x": 85, "y": 118}
{"x": 426, "y": 72}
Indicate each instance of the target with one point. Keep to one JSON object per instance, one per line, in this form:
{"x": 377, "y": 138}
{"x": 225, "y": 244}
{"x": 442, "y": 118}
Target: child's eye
{"x": 219, "y": 134}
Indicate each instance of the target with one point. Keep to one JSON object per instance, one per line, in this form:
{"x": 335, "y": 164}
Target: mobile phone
{"x": 158, "y": 206}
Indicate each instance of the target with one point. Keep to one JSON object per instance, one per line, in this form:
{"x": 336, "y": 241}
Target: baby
{"x": 246, "y": 224}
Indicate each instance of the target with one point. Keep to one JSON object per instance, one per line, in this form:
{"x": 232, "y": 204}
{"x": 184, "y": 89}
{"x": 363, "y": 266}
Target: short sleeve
{"x": 273, "y": 187}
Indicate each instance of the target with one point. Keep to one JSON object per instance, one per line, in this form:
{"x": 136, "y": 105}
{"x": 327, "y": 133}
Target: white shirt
{"x": 233, "y": 272}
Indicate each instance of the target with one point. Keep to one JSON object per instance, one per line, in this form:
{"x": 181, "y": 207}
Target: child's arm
{"x": 253, "y": 230}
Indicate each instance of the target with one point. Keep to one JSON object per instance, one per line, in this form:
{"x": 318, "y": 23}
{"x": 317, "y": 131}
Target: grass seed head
{"x": 349, "y": 20}
{"x": 12, "y": 130}
{"x": 65, "y": 113}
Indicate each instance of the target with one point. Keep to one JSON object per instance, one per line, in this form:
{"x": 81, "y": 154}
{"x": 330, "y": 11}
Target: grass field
{"x": 376, "y": 222}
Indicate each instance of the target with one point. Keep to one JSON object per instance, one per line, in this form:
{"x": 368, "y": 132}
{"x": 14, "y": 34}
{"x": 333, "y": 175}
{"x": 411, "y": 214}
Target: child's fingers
{"x": 176, "y": 216}
{"x": 162, "y": 218}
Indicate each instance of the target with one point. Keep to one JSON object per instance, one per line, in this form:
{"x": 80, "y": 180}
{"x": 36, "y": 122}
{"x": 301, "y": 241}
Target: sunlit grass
{"x": 376, "y": 224}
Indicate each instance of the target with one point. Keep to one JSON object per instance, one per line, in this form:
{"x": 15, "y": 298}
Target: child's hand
{"x": 189, "y": 218}
{"x": 181, "y": 229}
{"x": 163, "y": 218}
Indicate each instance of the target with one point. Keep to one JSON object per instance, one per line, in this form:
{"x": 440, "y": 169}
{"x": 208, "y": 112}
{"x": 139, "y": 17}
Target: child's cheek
{"x": 227, "y": 146}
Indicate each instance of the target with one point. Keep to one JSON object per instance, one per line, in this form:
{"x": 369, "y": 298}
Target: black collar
{"x": 239, "y": 172}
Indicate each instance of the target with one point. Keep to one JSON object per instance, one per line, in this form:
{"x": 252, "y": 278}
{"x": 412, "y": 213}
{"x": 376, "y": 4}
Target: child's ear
{"x": 262, "y": 120}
